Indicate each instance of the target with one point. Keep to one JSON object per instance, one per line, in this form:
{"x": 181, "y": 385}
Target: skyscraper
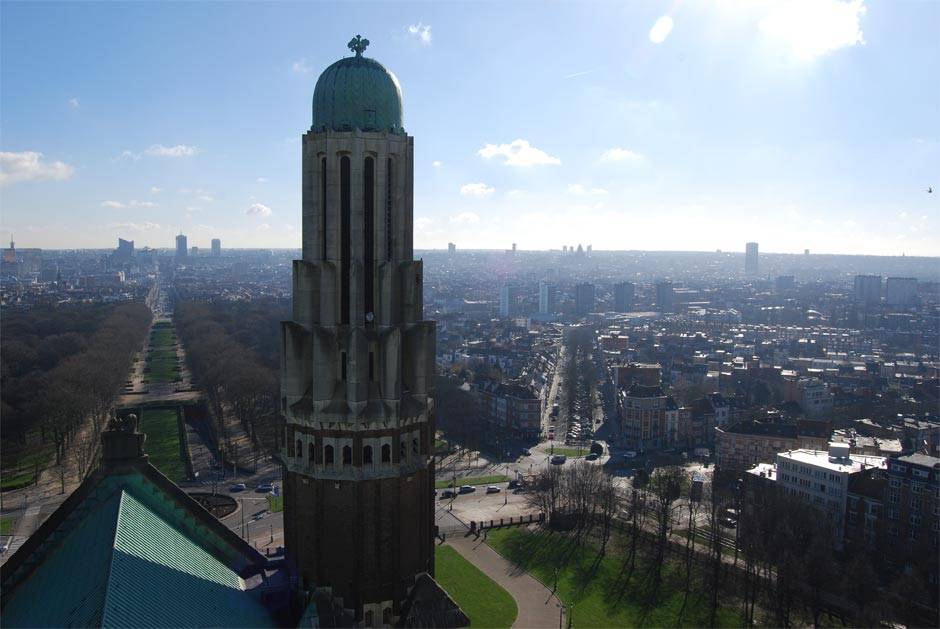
{"x": 665, "y": 299}
{"x": 451, "y": 248}
{"x": 868, "y": 289}
{"x": 546, "y": 298}
{"x": 507, "y": 300}
{"x": 901, "y": 291}
{"x": 181, "y": 249}
{"x": 624, "y": 293}
{"x": 750, "y": 258}
{"x": 216, "y": 247}
{"x": 584, "y": 298}
{"x": 358, "y": 361}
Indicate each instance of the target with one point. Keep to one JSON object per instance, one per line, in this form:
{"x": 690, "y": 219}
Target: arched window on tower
{"x": 388, "y": 208}
{"x": 323, "y": 203}
{"x": 414, "y": 447}
{"x": 368, "y": 219}
{"x": 387, "y": 616}
{"x": 386, "y": 453}
{"x": 299, "y": 449}
{"x": 328, "y": 455}
{"x": 402, "y": 450}
{"x": 369, "y": 618}
{"x": 344, "y": 243}
{"x": 367, "y": 455}
{"x": 310, "y": 454}
{"x": 347, "y": 455}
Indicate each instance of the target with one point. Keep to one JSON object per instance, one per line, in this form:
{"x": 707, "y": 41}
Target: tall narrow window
{"x": 344, "y": 203}
{"x": 386, "y": 453}
{"x": 388, "y": 209}
{"x": 368, "y": 197}
{"x": 347, "y": 455}
{"x": 310, "y": 454}
{"x": 367, "y": 455}
{"x": 299, "y": 450}
{"x": 323, "y": 203}
{"x": 371, "y": 366}
{"x": 342, "y": 367}
{"x": 328, "y": 455}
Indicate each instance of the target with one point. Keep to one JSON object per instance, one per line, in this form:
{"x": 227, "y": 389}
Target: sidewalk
{"x": 538, "y": 607}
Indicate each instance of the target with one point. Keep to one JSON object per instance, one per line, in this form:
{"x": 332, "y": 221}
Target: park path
{"x": 538, "y": 606}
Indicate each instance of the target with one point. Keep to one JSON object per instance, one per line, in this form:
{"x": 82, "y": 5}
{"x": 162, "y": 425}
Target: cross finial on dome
{"x": 357, "y": 44}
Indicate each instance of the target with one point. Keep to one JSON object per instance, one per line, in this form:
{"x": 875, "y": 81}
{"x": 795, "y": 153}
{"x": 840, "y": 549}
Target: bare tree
{"x": 665, "y": 488}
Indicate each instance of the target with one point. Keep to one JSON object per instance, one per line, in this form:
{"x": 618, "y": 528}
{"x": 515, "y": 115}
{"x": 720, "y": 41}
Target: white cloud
{"x": 116, "y": 205}
{"x": 147, "y": 226}
{"x": 617, "y": 154}
{"x": 420, "y": 31}
{"x": 29, "y": 166}
{"x": 465, "y": 217}
{"x": 258, "y": 209}
{"x": 476, "y": 189}
{"x": 112, "y": 205}
{"x": 180, "y": 150}
{"x": 300, "y": 67}
{"x": 128, "y": 154}
{"x": 811, "y": 28}
{"x": 518, "y": 153}
{"x": 903, "y": 216}
{"x": 437, "y": 163}
{"x": 155, "y": 190}
{"x": 576, "y": 188}
{"x": 73, "y": 103}
{"x": 144, "y": 204}
{"x": 263, "y": 227}
{"x": 206, "y": 198}
{"x": 661, "y": 29}
{"x": 262, "y": 180}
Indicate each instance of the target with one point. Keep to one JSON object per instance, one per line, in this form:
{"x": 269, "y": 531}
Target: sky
{"x": 626, "y": 125}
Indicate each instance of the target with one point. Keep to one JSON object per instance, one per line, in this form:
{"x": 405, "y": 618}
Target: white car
{"x": 492, "y": 489}
{"x": 629, "y": 454}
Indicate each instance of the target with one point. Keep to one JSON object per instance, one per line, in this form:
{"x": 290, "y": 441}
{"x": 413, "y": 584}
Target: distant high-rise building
{"x": 750, "y": 258}
{"x": 580, "y": 250}
{"x": 125, "y": 249}
{"x": 194, "y": 251}
{"x": 546, "y": 298}
{"x": 513, "y": 247}
{"x": 901, "y": 291}
{"x": 451, "y": 248}
{"x": 805, "y": 252}
{"x": 507, "y": 300}
{"x": 584, "y": 298}
{"x": 181, "y": 249}
{"x": 590, "y": 248}
{"x": 564, "y": 248}
{"x": 665, "y": 299}
{"x": 216, "y": 248}
{"x": 784, "y": 283}
{"x": 868, "y": 289}
{"x": 624, "y": 294}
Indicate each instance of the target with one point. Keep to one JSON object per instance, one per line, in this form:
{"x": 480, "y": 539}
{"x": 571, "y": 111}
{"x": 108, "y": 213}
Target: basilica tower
{"x": 358, "y": 358}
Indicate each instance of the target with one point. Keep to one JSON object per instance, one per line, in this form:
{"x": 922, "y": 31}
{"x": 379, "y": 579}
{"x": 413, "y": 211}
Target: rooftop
{"x": 820, "y": 458}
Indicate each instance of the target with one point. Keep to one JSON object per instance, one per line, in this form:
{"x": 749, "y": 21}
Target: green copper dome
{"x": 357, "y": 93}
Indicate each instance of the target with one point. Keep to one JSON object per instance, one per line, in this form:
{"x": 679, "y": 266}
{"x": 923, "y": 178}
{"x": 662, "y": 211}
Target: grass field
{"x": 275, "y": 503}
{"x": 21, "y": 462}
{"x": 479, "y": 480}
{"x": 163, "y": 442}
{"x": 162, "y": 359}
{"x": 571, "y": 453}
{"x": 6, "y": 526}
{"x": 484, "y": 601}
{"x": 600, "y": 593}
{"x": 162, "y": 370}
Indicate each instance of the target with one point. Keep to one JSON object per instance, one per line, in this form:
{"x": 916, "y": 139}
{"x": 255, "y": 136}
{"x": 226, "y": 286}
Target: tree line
{"x": 777, "y": 565}
{"x": 235, "y": 379}
{"x": 60, "y": 368}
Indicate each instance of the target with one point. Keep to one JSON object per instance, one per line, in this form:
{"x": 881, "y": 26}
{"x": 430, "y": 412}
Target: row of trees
{"x": 779, "y": 567}
{"x": 63, "y": 374}
{"x": 234, "y": 378}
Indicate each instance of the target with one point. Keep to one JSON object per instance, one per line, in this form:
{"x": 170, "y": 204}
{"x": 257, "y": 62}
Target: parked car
{"x": 492, "y": 489}
{"x": 514, "y": 484}
{"x": 264, "y": 488}
{"x": 238, "y": 487}
{"x": 559, "y": 459}
{"x": 526, "y": 452}
{"x": 728, "y": 522}
{"x": 467, "y": 489}
{"x": 591, "y": 457}
{"x": 447, "y": 493}
{"x": 629, "y": 454}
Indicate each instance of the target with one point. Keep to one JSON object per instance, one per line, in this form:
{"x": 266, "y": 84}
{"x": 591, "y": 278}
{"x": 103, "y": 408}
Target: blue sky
{"x": 675, "y": 125}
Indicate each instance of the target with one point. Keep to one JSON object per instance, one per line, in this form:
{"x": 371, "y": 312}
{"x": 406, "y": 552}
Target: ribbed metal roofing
{"x": 357, "y": 93}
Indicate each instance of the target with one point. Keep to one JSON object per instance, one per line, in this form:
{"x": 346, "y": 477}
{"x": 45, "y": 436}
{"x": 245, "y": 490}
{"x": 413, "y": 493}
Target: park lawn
{"x": 598, "y": 591}
{"x": 162, "y": 337}
{"x": 21, "y": 463}
{"x": 479, "y": 480}
{"x": 162, "y": 370}
{"x": 162, "y": 354}
{"x": 6, "y": 526}
{"x": 572, "y": 452}
{"x": 275, "y": 503}
{"x": 483, "y": 600}
{"x": 163, "y": 442}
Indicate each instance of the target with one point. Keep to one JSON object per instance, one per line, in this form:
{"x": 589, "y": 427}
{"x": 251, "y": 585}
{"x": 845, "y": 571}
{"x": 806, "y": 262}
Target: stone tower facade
{"x": 358, "y": 356}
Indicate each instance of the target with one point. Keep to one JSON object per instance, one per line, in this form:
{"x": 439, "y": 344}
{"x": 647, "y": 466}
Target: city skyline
{"x": 646, "y": 127}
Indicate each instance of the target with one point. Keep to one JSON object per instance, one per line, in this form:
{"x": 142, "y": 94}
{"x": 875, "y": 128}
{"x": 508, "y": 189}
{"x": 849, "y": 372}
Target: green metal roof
{"x": 357, "y": 93}
{"x": 122, "y": 563}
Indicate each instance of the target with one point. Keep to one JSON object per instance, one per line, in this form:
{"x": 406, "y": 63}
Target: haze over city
{"x": 655, "y": 126}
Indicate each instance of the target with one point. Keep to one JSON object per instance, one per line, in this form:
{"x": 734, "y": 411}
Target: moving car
{"x": 264, "y": 488}
{"x": 591, "y": 457}
{"x": 629, "y": 454}
{"x": 514, "y": 484}
{"x": 238, "y": 487}
{"x": 492, "y": 489}
{"x": 467, "y": 489}
{"x": 559, "y": 459}
{"x": 447, "y": 493}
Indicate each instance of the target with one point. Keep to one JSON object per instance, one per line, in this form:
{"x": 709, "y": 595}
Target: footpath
{"x": 538, "y": 606}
